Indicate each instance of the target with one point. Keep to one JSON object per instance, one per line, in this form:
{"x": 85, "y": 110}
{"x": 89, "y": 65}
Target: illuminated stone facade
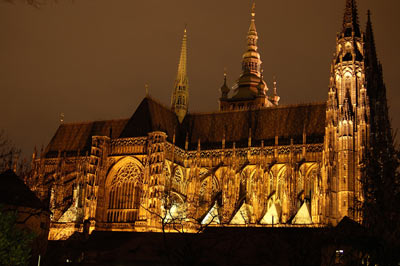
{"x": 253, "y": 163}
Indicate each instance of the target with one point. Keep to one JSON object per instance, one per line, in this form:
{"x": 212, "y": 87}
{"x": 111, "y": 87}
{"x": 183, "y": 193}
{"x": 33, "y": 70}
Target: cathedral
{"x": 252, "y": 163}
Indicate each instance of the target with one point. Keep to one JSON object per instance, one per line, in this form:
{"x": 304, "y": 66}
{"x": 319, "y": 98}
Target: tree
{"x": 9, "y": 154}
{"x": 175, "y": 218}
{"x": 381, "y": 188}
{"x": 14, "y": 243}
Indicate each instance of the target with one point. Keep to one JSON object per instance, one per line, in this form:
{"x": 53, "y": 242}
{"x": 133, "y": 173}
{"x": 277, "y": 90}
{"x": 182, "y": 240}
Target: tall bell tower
{"x": 347, "y": 119}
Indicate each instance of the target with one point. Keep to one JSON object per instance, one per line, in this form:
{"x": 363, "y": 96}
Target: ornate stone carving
{"x": 128, "y": 173}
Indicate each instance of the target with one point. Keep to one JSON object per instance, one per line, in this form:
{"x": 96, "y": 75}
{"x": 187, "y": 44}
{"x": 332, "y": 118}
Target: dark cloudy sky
{"x": 90, "y": 59}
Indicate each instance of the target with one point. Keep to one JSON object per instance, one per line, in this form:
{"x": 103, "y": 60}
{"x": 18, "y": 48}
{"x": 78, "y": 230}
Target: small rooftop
{"x": 13, "y": 191}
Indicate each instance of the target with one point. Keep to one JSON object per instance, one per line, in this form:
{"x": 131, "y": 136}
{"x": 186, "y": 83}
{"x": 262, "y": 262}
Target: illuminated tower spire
{"x": 347, "y": 117}
{"x": 349, "y": 55}
{"x": 251, "y": 63}
{"x": 250, "y": 91}
{"x": 350, "y": 20}
{"x": 180, "y": 96}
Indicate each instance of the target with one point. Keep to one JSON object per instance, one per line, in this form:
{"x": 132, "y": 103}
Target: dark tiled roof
{"x": 151, "y": 116}
{"x": 286, "y": 122}
{"x": 13, "y": 191}
{"x": 73, "y": 137}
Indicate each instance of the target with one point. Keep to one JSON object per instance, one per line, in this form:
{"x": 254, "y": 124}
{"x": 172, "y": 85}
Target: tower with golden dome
{"x": 250, "y": 91}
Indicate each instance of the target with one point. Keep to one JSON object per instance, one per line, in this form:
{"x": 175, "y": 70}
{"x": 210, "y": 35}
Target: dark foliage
{"x": 381, "y": 187}
{"x": 15, "y": 243}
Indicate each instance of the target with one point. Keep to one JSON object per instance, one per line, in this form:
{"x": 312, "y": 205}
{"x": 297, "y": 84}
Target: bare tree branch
{"x": 9, "y": 154}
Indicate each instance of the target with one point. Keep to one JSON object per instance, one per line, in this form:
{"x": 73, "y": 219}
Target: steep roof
{"x": 13, "y": 191}
{"x": 150, "y": 116}
{"x": 286, "y": 122}
{"x": 74, "y": 137}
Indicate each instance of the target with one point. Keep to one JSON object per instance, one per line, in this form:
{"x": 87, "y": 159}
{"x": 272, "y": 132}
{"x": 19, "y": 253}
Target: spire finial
{"x": 252, "y": 29}
{"x": 251, "y": 58}
{"x": 253, "y": 10}
{"x": 146, "y": 86}
{"x": 225, "y": 74}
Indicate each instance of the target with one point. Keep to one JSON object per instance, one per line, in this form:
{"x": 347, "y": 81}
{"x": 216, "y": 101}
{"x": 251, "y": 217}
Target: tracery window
{"x": 124, "y": 197}
{"x": 348, "y": 83}
{"x": 177, "y": 180}
{"x": 203, "y": 189}
{"x": 310, "y": 179}
{"x": 280, "y": 181}
{"x": 300, "y": 183}
{"x": 271, "y": 183}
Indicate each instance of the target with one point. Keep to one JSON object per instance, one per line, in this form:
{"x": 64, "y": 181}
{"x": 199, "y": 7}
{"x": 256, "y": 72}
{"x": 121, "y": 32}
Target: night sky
{"x": 90, "y": 59}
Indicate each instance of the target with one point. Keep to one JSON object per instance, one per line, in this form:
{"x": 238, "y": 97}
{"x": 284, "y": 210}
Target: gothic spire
{"x": 249, "y": 92}
{"x": 251, "y": 58}
{"x": 180, "y": 96}
{"x": 183, "y": 59}
{"x": 252, "y": 34}
{"x": 350, "y": 20}
{"x": 374, "y": 73}
{"x": 370, "y": 48}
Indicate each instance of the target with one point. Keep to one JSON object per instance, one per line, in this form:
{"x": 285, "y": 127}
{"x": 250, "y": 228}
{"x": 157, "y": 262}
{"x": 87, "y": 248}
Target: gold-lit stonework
{"x": 252, "y": 163}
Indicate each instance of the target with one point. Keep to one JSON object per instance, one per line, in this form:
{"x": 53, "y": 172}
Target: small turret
{"x": 275, "y": 98}
{"x": 224, "y": 89}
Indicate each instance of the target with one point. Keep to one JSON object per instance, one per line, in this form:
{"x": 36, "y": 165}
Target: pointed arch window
{"x": 124, "y": 195}
{"x": 348, "y": 82}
